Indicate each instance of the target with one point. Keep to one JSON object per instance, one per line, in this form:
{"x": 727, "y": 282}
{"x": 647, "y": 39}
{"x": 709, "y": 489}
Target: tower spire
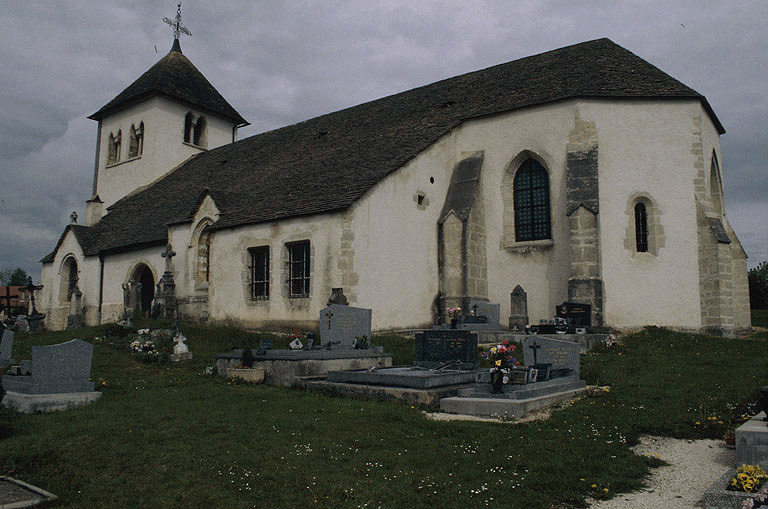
{"x": 178, "y": 28}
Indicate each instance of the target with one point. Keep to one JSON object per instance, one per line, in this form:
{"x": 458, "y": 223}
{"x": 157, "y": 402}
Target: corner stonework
{"x": 585, "y": 284}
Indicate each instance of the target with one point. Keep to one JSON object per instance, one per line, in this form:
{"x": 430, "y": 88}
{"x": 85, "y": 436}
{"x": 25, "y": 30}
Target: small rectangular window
{"x": 259, "y": 272}
{"x": 298, "y": 269}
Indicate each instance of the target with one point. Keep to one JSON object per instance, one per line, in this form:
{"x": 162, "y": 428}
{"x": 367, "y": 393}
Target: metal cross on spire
{"x": 178, "y": 28}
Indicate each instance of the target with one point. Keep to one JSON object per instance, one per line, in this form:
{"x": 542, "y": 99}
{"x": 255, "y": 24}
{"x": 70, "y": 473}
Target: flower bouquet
{"x": 502, "y": 360}
{"x": 453, "y": 314}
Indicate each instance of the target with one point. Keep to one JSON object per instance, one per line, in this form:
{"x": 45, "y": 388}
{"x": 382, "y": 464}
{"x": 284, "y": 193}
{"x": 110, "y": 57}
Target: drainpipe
{"x": 101, "y": 289}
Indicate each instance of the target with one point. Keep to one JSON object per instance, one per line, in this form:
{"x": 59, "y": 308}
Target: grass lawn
{"x": 173, "y": 436}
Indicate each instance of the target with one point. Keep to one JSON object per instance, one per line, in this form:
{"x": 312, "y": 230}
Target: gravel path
{"x": 693, "y": 466}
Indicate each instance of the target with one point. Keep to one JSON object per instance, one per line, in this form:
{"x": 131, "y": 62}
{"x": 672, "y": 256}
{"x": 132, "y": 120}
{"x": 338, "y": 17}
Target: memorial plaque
{"x": 562, "y": 355}
{"x": 438, "y": 346}
{"x": 579, "y": 315}
{"x": 342, "y": 324}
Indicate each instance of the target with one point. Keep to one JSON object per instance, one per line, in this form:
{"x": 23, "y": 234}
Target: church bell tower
{"x": 169, "y": 114}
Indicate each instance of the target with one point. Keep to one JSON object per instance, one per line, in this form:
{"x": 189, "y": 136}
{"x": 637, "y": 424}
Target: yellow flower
{"x": 498, "y": 362}
{"x": 493, "y": 349}
{"x": 582, "y": 479}
{"x": 605, "y": 490}
{"x": 593, "y": 486}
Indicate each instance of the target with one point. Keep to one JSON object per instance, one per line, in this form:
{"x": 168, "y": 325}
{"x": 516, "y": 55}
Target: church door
{"x": 144, "y": 276}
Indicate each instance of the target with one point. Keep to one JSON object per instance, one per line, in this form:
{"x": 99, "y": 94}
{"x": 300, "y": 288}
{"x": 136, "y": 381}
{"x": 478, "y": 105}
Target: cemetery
{"x": 358, "y": 406}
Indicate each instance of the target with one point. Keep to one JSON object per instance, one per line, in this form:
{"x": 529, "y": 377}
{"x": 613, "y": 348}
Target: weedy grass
{"x": 171, "y": 435}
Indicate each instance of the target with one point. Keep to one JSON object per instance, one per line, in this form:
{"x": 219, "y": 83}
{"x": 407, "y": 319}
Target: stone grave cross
{"x": 534, "y": 346}
{"x": 329, "y": 314}
{"x": 168, "y": 254}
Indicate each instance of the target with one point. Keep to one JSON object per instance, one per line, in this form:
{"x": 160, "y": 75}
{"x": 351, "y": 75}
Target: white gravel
{"x": 693, "y": 466}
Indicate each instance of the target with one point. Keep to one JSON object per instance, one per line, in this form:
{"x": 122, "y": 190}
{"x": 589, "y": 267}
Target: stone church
{"x": 582, "y": 174}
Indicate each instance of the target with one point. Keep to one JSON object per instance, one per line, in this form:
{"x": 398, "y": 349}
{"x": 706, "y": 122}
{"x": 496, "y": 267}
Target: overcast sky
{"x": 282, "y": 62}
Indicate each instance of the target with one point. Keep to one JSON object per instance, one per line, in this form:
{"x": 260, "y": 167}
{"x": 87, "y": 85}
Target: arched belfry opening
{"x": 143, "y": 275}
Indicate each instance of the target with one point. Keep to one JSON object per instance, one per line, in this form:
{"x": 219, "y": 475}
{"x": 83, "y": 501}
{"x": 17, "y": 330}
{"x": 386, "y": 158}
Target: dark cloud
{"x": 282, "y": 62}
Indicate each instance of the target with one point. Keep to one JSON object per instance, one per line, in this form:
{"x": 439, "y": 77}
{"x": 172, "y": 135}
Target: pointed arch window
{"x": 189, "y": 123}
{"x": 531, "y": 198}
{"x": 113, "y": 155}
{"x": 715, "y": 194}
{"x": 204, "y": 255}
{"x": 641, "y": 228}
{"x": 199, "y": 137}
{"x": 136, "y": 147}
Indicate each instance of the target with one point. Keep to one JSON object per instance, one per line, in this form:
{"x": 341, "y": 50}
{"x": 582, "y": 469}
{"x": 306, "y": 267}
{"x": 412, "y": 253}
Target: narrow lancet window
{"x": 641, "y": 228}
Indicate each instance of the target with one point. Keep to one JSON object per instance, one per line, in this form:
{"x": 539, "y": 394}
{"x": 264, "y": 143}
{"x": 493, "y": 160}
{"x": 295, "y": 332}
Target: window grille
{"x": 298, "y": 269}
{"x": 259, "y": 270}
{"x": 531, "y": 195}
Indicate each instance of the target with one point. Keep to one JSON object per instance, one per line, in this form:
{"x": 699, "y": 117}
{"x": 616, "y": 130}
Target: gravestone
{"x": 6, "y": 347}
{"x": 55, "y": 369}
{"x": 485, "y": 316}
{"x": 563, "y": 356}
{"x": 340, "y": 325}
{"x": 180, "y": 349}
{"x": 578, "y": 314}
{"x": 436, "y": 347}
{"x": 518, "y": 316}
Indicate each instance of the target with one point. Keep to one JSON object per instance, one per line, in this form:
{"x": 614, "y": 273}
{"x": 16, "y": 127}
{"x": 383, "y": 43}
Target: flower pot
{"x": 252, "y": 375}
{"x": 730, "y": 442}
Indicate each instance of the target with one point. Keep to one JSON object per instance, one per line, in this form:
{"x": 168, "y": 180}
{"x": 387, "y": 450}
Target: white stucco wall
{"x": 383, "y": 251}
{"x": 164, "y": 146}
{"x": 229, "y": 291}
{"x": 52, "y": 300}
{"x": 646, "y": 148}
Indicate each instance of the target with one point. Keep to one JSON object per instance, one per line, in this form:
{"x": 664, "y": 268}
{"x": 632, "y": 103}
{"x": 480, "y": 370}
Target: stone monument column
{"x": 585, "y": 284}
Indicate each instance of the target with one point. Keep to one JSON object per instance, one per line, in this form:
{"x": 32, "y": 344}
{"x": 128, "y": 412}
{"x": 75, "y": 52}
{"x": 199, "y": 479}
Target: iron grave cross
{"x": 178, "y": 28}
{"x": 329, "y": 315}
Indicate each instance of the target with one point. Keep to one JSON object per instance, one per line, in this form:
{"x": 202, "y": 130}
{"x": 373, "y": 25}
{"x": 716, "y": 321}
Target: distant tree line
{"x": 10, "y": 277}
{"x": 758, "y": 286}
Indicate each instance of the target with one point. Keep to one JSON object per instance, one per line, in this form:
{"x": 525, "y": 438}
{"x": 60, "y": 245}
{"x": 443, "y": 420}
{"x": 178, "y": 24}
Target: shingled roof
{"x": 176, "y": 77}
{"x": 327, "y": 163}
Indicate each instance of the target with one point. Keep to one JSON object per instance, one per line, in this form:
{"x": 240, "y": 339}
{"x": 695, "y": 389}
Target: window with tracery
{"x": 136, "y": 147}
{"x": 531, "y": 202}
{"x": 113, "y": 154}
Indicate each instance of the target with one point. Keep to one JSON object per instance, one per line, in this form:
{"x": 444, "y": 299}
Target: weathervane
{"x": 178, "y": 28}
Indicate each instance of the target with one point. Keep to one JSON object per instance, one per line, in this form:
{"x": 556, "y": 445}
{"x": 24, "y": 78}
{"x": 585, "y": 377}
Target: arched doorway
{"x": 143, "y": 275}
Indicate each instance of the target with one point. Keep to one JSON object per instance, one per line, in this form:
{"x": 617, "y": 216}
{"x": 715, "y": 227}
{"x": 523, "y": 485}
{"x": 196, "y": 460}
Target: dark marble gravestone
{"x": 578, "y": 314}
{"x": 340, "y": 325}
{"x": 438, "y": 346}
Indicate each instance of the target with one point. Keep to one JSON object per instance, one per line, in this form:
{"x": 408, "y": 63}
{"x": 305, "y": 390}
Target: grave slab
{"x": 437, "y": 346}
{"x": 752, "y": 442}
{"x": 341, "y": 324}
{"x": 404, "y": 376}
